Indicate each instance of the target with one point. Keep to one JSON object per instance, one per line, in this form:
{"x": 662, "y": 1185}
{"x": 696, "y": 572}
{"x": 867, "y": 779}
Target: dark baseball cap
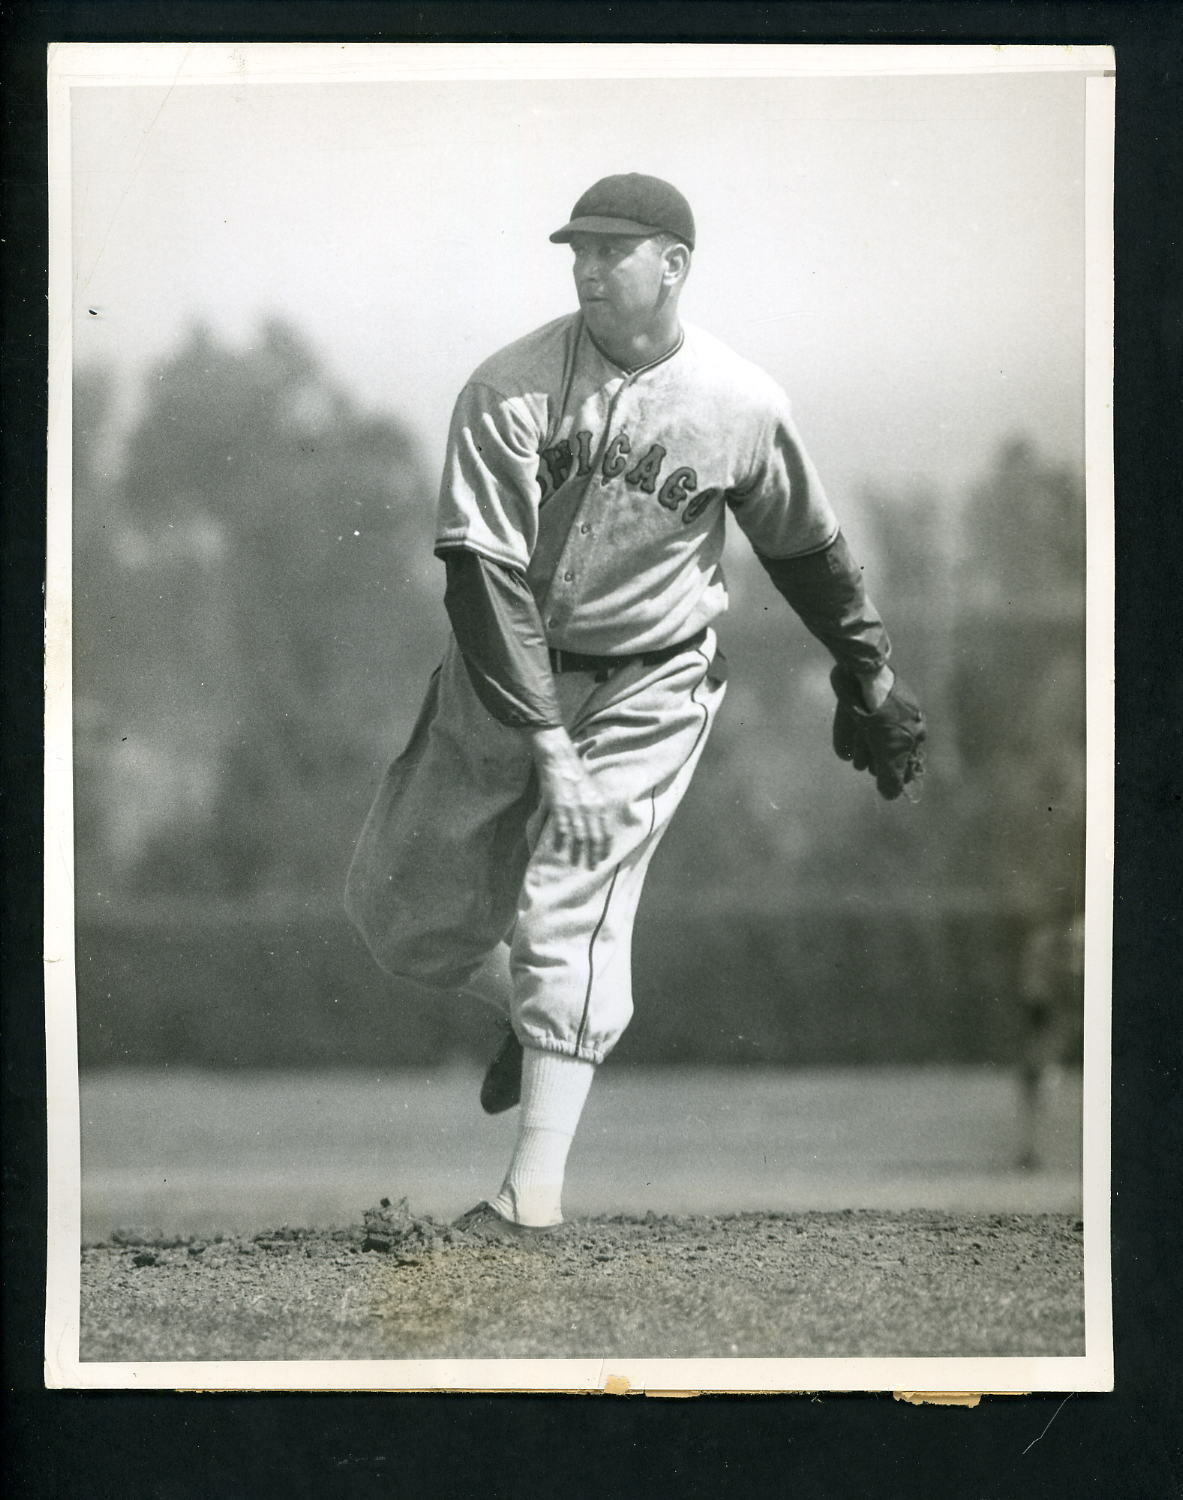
{"x": 630, "y": 203}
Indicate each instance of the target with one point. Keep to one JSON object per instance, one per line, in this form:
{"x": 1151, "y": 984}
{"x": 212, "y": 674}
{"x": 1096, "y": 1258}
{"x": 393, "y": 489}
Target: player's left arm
{"x": 825, "y": 588}
{"x": 878, "y": 723}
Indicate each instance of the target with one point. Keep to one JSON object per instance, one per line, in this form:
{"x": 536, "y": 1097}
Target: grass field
{"x": 206, "y": 1153}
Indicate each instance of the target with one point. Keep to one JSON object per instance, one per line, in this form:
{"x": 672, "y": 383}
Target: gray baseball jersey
{"x": 610, "y": 489}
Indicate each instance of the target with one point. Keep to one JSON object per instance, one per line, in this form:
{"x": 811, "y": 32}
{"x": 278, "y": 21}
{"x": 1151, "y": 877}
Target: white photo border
{"x": 97, "y": 65}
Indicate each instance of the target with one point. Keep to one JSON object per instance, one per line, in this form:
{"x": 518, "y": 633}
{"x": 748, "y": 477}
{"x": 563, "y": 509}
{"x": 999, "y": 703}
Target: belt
{"x": 603, "y": 666}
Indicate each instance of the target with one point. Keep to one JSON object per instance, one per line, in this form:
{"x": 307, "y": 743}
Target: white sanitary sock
{"x": 554, "y": 1091}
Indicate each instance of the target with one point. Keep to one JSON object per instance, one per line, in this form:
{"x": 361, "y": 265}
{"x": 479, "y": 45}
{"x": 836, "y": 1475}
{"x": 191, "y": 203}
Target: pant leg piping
{"x": 591, "y": 946}
{"x": 591, "y": 959}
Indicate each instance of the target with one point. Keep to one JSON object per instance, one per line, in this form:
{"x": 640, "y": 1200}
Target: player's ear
{"x": 677, "y": 263}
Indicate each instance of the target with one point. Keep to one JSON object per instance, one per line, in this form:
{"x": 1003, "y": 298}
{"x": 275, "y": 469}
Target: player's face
{"x": 621, "y": 280}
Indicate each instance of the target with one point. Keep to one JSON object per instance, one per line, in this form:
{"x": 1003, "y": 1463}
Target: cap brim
{"x": 602, "y": 226}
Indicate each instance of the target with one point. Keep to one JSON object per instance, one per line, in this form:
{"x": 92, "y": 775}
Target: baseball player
{"x": 590, "y": 470}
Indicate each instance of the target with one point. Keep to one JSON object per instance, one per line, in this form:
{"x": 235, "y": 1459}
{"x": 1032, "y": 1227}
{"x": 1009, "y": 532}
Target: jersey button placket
{"x": 564, "y": 573}
{"x": 572, "y": 564}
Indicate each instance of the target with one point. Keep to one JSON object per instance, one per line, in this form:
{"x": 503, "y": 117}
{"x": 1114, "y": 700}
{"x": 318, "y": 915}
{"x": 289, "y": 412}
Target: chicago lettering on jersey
{"x": 640, "y": 468}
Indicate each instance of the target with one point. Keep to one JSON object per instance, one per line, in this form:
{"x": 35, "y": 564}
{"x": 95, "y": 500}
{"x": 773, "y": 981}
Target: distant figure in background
{"x": 590, "y": 469}
{"x": 1051, "y": 975}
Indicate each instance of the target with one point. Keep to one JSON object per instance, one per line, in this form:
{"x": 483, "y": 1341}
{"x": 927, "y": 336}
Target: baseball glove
{"x": 888, "y": 742}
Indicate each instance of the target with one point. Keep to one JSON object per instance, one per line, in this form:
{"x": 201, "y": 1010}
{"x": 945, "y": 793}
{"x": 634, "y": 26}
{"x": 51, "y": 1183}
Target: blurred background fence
{"x": 257, "y": 610}
{"x": 219, "y": 985}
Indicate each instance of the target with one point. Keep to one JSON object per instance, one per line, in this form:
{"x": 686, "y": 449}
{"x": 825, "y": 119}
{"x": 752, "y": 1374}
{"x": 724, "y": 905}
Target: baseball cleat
{"x": 501, "y": 1087}
{"x": 485, "y": 1224}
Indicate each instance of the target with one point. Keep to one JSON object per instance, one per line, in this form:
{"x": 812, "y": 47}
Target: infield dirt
{"x": 396, "y": 1286}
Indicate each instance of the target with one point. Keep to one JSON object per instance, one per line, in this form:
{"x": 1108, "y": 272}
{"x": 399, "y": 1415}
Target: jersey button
{"x": 585, "y": 528}
{"x": 568, "y": 577}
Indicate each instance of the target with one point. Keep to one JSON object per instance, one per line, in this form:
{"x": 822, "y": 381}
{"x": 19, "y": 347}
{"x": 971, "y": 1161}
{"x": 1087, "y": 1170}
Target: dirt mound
{"x": 400, "y": 1286}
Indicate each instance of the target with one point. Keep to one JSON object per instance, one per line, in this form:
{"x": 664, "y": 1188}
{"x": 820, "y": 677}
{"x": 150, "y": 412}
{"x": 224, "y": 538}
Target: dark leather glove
{"x": 887, "y": 741}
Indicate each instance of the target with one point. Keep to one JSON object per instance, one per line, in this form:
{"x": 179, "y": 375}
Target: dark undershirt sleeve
{"x": 826, "y": 590}
{"x": 499, "y": 631}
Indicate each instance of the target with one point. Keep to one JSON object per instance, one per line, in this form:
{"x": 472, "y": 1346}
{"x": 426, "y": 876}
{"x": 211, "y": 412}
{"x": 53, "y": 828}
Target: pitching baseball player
{"x": 591, "y": 467}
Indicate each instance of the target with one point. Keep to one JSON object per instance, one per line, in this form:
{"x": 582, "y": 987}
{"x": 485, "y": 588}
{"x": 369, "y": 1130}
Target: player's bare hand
{"x": 578, "y": 812}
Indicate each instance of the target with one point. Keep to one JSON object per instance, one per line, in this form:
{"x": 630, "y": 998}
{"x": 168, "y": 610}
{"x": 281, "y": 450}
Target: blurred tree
{"x": 277, "y": 605}
{"x": 985, "y": 597}
{"x": 1019, "y": 680}
{"x": 1024, "y": 537}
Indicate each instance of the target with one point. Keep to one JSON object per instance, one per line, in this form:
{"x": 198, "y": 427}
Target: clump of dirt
{"x": 393, "y": 1229}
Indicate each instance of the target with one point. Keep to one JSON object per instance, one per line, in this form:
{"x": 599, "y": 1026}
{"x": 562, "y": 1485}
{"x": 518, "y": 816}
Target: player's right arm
{"x": 499, "y": 632}
{"x": 488, "y": 522}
